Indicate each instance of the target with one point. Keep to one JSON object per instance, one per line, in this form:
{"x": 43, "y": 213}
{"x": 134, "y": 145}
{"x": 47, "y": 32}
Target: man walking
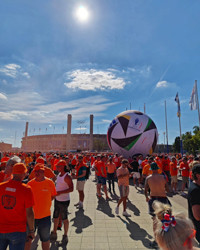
{"x": 123, "y": 183}
{"x": 16, "y": 210}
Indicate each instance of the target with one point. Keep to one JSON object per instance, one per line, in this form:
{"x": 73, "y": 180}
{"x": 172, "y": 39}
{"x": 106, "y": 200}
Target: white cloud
{"x": 30, "y": 106}
{"x": 3, "y": 97}
{"x": 93, "y": 80}
{"x": 106, "y": 121}
{"x": 162, "y": 84}
{"x": 13, "y": 70}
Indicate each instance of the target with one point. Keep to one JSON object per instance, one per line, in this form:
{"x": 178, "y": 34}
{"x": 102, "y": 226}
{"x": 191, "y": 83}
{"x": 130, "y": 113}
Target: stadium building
{"x": 65, "y": 142}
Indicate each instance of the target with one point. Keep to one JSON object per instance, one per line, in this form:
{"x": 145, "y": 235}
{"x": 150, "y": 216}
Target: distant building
{"x": 65, "y": 142}
{"x": 5, "y": 147}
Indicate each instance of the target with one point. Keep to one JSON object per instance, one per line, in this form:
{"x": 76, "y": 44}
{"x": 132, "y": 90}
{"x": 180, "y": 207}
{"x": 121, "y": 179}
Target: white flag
{"x": 193, "y": 98}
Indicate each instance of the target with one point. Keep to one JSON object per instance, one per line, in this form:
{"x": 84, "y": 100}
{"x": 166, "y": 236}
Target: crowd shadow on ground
{"x": 104, "y": 207}
{"x": 80, "y": 221}
{"x": 137, "y": 233}
{"x": 133, "y": 208}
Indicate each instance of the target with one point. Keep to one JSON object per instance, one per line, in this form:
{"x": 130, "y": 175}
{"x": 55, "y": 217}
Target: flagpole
{"x": 166, "y": 127}
{"x": 181, "y": 142}
{"x": 197, "y": 102}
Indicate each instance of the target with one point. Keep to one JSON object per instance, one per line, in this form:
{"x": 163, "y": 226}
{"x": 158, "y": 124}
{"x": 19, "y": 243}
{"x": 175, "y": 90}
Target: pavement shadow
{"x": 114, "y": 196}
{"x": 57, "y": 245}
{"x": 137, "y": 233}
{"x": 133, "y": 208}
{"x": 81, "y": 221}
{"x": 104, "y": 207}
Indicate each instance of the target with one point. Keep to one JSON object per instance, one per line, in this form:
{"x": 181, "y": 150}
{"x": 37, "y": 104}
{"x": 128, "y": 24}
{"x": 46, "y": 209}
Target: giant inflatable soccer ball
{"x": 132, "y": 133}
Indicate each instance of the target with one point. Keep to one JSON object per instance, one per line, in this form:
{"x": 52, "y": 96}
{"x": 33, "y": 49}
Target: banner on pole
{"x": 193, "y": 98}
{"x": 178, "y": 102}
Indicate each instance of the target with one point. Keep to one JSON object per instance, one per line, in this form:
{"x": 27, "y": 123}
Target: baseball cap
{"x": 19, "y": 168}
{"x": 154, "y": 166}
{"x": 39, "y": 166}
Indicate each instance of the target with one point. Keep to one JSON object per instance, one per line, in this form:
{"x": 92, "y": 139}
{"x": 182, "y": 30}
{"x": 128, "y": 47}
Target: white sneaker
{"x": 117, "y": 210}
{"x": 126, "y": 214}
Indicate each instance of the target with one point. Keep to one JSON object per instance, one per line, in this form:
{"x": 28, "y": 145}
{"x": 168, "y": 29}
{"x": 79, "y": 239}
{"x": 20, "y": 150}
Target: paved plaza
{"x": 97, "y": 227}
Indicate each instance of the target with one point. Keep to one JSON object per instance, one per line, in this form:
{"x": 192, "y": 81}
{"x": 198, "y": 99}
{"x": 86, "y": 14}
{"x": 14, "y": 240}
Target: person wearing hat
{"x": 16, "y": 210}
{"x": 6, "y": 174}
{"x": 194, "y": 200}
{"x": 157, "y": 184}
{"x": 44, "y": 192}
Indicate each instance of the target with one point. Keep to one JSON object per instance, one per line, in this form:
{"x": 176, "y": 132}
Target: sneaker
{"x": 126, "y": 214}
{"x": 65, "y": 239}
{"x": 117, "y": 210}
{"x": 53, "y": 236}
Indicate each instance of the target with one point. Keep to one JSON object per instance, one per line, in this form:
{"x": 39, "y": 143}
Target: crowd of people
{"x": 30, "y": 181}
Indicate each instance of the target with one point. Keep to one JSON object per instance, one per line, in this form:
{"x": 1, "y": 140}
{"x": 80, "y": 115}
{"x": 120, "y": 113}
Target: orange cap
{"x": 19, "y": 168}
{"x": 39, "y": 166}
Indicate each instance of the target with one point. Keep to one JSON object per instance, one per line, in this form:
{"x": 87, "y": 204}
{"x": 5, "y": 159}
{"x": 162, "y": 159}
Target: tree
{"x": 195, "y": 129}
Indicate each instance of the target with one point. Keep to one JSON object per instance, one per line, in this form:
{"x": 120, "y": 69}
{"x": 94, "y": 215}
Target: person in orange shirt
{"x": 100, "y": 169}
{"x": 146, "y": 171}
{"x": 174, "y": 173}
{"x": 44, "y": 192}
{"x": 47, "y": 173}
{"x": 28, "y": 160}
{"x": 16, "y": 210}
{"x": 5, "y": 158}
{"x": 111, "y": 172}
{"x": 184, "y": 167}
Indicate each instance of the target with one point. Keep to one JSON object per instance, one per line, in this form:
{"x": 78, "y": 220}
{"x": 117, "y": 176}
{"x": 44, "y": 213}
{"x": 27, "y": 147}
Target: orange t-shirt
{"x": 5, "y": 158}
{"x": 173, "y": 169}
{"x": 125, "y": 179}
{"x": 15, "y": 197}
{"x": 42, "y": 193}
{"x": 4, "y": 177}
{"x": 47, "y": 173}
{"x": 146, "y": 170}
{"x": 111, "y": 167}
{"x": 100, "y": 165}
{"x": 185, "y": 169}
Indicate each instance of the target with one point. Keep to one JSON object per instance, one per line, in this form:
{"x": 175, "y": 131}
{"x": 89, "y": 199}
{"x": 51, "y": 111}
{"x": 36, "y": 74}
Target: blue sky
{"x": 127, "y": 53}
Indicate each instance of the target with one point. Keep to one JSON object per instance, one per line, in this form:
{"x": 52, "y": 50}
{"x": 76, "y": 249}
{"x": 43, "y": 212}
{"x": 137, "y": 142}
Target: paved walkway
{"x": 97, "y": 226}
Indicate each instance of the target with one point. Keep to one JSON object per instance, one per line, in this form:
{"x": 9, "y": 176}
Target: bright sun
{"x": 82, "y": 14}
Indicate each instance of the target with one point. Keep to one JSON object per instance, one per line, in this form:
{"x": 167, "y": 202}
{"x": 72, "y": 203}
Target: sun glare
{"x": 82, "y": 14}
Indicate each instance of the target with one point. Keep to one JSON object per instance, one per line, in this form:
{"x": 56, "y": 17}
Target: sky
{"x": 99, "y": 57}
